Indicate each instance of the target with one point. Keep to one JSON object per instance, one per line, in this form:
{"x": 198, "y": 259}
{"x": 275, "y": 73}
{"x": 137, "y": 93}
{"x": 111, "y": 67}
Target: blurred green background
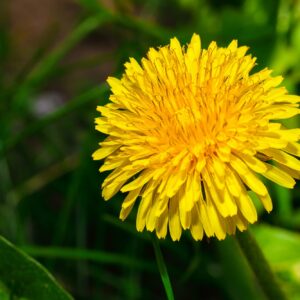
{"x": 55, "y": 56}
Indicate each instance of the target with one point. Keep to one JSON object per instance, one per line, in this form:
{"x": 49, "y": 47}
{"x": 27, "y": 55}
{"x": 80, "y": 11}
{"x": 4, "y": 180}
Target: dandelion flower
{"x": 190, "y": 132}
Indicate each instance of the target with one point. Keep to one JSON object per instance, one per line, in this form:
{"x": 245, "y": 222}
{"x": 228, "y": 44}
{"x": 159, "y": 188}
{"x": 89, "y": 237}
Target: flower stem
{"x": 259, "y": 265}
{"x": 162, "y": 269}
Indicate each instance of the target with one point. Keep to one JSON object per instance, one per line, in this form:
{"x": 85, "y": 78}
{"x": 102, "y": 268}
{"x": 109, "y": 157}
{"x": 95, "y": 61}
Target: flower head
{"x": 190, "y": 131}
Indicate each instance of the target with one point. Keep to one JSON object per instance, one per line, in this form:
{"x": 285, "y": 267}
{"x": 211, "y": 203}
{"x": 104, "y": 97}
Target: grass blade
{"x": 71, "y": 106}
{"x": 162, "y": 269}
{"x": 91, "y": 255}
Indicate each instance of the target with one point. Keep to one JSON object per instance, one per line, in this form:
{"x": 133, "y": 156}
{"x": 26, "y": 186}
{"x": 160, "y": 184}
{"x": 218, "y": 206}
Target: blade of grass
{"x": 77, "y": 185}
{"x": 125, "y": 226}
{"x": 40, "y": 73}
{"x": 81, "y": 230}
{"x": 90, "y": 255}
{"x": 71, "y": 106}
{"x": 130, "y": 228}
{"x": 41, "y": 51}
{"x": 193, "y": 266}
{"x": 140, "y": 25}
{"x": 162, "y": 269}
{"x": 41, "y": 179}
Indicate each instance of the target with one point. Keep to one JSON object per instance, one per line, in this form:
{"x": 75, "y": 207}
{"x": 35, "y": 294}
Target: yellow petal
{"x": 229, "y": 202}
{"x": 224, "y": 153}
{"x": 278, "y": 176}
{"x": 205, "y": 219}
{"x": 151, "y": 215}
{"x": 191, "y": 58}
{"x": 267, "y": 202}
{"x": 196, "y": 226}
{"x": 163, "y": 203}
{"x": 133, "y": 67}
{"x": 248, "y": 177}
{"x": 268, "y": 142}
{"x": 104, "y": 151}
{"x": 176, "y": 47}
{"x": 272, "y": 82}
{"x": 283, "y": 158}
{"x": 121, "y": 174}
{"x": 293, "y": 148}
{"x": 230, "y": 226}
{"x": 192, "y": 190}
{"x": 175, "y": 181}
{"x": 228, "y": 207}
{"x": 113, "y": 183}
{"x": 185, "y": 216}
{"x": 253, "y": 163}
{"x": 218, "y": 167}
{"x": 194, "y": 46}
{"x": 144, "y": 206}
{"x": 174, "y": 220}
{"x": 111, "y": 163}
{"x": 284, "y": 112}
{"x": 287, "y": 98}
{"x": 291, "y": 135}
{"x": 233, "y": 45}
{"x": 293, "y": 173}
{"x": 233, "y": 185}
{"x": 246, "y": 205}
{"x": 142, "y": 179}
{"x": 215, "y": 194}
{"x": 162, "y": 225}
{"x": 216, "y": 221}
{"x": 240, "y": 221}
{"x": 116, "y": 85}
{"x": 128, "y": 203}
{"x": 131, "y": 197}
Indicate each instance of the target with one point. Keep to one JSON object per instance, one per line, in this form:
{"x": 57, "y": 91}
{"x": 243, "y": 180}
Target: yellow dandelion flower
{"x": 190, "y": 130}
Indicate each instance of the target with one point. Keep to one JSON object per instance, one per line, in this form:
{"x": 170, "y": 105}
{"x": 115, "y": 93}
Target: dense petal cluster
{"x": 190, "y": 131}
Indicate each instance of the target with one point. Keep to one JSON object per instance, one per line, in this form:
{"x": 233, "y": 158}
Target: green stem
{"x": 162, "y": 269}
{"x": 261, "y": 268}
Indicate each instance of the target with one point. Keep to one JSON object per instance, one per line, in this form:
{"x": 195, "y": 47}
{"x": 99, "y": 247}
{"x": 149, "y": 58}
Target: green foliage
{"x": 24, "y": 278}
{"x": 163, "y": 269}
{"x": 281, "y": 248}
{"x": 50, "y": 204}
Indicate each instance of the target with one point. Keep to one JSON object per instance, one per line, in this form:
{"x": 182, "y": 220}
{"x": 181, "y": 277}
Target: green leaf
{"x": 23, "y": 277}
{"x": 237, "y": 278}
{"x": 281, "y": 248}
{"x": 4, "y": 292}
